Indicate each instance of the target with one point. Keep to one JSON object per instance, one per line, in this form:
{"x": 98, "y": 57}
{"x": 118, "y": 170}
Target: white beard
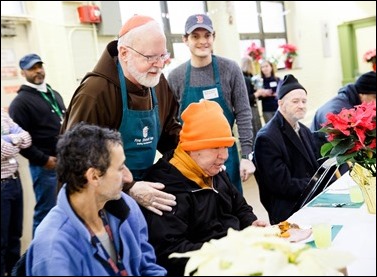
{"x": 143, "y": 78}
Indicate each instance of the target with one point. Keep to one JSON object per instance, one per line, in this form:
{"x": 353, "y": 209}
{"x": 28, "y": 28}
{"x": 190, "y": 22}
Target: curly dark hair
{"x": 82, "y": 147}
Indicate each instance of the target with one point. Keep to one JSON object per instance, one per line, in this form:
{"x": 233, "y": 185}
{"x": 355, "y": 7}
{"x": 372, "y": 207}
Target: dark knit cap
{"x": 288, "y": 84}
{"x": 366, "y": 83}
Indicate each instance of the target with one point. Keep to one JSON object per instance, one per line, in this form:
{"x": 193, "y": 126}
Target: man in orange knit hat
{"x": 127, "y": 91}
{"x": 207, "y": 202}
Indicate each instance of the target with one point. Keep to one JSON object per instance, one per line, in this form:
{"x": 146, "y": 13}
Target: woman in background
{"x": 247, "y": 70}
{"x": 268, "y": 93}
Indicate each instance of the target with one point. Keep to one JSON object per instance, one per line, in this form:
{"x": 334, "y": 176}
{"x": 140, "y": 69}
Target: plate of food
{"x": 295, "y": 233}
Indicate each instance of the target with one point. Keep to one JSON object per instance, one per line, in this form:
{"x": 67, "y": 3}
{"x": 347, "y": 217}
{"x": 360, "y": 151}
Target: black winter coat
{"x": 284, "y": 165}
{"x": 34, "y": 114}
{"x": 199, "y": 216}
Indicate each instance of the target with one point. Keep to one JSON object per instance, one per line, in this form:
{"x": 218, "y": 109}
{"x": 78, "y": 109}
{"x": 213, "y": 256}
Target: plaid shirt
{"x": 13, "y": 138}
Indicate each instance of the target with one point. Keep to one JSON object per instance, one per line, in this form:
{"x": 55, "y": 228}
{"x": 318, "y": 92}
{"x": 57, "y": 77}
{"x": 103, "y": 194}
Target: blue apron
{"x": 140, "y": 132}
{"x": 194, "y": 94}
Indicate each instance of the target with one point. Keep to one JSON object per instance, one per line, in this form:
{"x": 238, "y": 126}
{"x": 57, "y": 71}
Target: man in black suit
{"x": 285, "y": 153}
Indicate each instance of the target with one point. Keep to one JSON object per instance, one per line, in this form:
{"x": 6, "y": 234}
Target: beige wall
{"x": 69, "y": 49}
{"x": 321, "y": 75}
{"x": 318, "y": 65}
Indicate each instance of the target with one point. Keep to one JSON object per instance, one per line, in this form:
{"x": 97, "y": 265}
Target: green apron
{"x": 140, "y": 132}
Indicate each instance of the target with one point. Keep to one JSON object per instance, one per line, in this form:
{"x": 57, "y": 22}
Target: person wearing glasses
{"x": 218, "y": 79}
{"x": 127, "y": 91}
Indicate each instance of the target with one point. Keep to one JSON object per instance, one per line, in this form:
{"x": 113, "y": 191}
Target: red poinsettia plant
{"x": 255, "y": 52}
{"x": 352, "y": 136}
{"x": 370, "y": 56}
{"x": 289, "y": 50}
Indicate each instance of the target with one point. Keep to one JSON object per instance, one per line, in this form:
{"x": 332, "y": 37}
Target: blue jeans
{"x": 11, "y": 223}
{"x": 45, "y": 188}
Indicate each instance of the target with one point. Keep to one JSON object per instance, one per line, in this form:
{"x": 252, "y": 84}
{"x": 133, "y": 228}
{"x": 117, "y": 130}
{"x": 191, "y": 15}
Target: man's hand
{"x": 150, "y": 196}
{"x": 51, "y": 163}
{"x": 260, "y": 223}
{"x": 246, "y": 169}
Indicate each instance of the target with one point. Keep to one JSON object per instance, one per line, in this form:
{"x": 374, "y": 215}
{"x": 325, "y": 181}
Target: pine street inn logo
{"x": 146, "y": 138}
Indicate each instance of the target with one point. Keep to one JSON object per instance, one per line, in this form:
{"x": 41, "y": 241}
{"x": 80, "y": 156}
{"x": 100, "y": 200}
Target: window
{"x": 263, "y": 23}
{"x": 175, "y": 25}
{"x": 12, "y": 8}
{"x": 173, "y": 22}
{"x": 150, "y": 8}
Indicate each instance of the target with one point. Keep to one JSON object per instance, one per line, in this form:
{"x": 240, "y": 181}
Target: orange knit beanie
{"x": 133, "y": 22}
{"x": 205, "y": 126}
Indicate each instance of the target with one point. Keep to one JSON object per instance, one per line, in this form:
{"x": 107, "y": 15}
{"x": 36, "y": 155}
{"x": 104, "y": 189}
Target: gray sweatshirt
{"x": 233, "y": 87}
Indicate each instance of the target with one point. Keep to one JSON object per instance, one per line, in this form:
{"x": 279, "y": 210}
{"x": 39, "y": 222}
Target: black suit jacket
{"x": 284, "y": 164}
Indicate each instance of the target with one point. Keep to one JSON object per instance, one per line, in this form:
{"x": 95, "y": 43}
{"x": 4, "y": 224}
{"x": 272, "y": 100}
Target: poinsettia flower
{"x": 351, "y": 136}
{"x": 254, "y": 51}
{"x": 289, "y": 50}
{"x": 370, "y": 55}
{"x": 257, "y": 251}
{"x": 358, "y": 146}
{"x": 339, "y": 122}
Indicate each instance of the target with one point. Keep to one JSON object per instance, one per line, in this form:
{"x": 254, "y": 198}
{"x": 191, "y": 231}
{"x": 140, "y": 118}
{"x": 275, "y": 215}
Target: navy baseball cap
{"x": 198, "y": 21}
{"x": 28, "y": 61}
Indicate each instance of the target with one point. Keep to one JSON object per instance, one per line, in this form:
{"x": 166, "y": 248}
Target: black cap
{"x": 366, "y": 83}
{"x": 288, "y": 84}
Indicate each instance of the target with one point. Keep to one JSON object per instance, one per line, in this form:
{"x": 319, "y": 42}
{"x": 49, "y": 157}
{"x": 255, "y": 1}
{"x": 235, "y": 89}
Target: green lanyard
{"x": 54, "y": 104}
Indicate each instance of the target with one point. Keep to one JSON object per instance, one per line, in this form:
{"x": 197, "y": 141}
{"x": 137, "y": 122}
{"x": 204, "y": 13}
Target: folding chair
{"x": 321, "y": 179}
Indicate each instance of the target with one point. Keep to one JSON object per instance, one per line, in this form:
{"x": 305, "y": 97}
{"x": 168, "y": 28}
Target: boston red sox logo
{"x": 199, "y": 19}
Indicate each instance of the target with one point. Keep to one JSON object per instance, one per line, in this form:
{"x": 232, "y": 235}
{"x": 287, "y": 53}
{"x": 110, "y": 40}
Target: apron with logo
{"x": 214, "y": 93}
{"x": 140, "y": 132}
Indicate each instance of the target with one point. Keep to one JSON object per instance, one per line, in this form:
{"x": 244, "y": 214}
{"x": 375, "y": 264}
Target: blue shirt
{"x": 62, "y": 244}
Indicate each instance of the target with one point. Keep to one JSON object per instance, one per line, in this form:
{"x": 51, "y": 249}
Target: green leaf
{"x": 326, "y": 148}
{"x": 342, "y": 147}
{"x": 341, "y": 159}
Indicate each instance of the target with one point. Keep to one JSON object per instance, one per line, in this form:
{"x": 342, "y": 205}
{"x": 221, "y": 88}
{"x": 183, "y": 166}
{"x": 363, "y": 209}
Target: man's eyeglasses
{"x": 153, "y": 59}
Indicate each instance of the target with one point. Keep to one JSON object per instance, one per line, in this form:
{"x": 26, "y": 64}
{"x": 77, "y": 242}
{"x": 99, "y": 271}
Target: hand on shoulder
{"x": 150, "y": 196}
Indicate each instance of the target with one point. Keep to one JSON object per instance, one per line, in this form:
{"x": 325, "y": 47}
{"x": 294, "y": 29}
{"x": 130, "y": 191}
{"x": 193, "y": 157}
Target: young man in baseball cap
{"x": 218, "y": 79}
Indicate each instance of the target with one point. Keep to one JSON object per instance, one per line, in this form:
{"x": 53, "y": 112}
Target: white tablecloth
{"x": 358, "y": 234}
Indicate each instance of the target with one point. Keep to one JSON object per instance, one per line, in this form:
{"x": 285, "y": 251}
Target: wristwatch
{"x": 248, "y": 156}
